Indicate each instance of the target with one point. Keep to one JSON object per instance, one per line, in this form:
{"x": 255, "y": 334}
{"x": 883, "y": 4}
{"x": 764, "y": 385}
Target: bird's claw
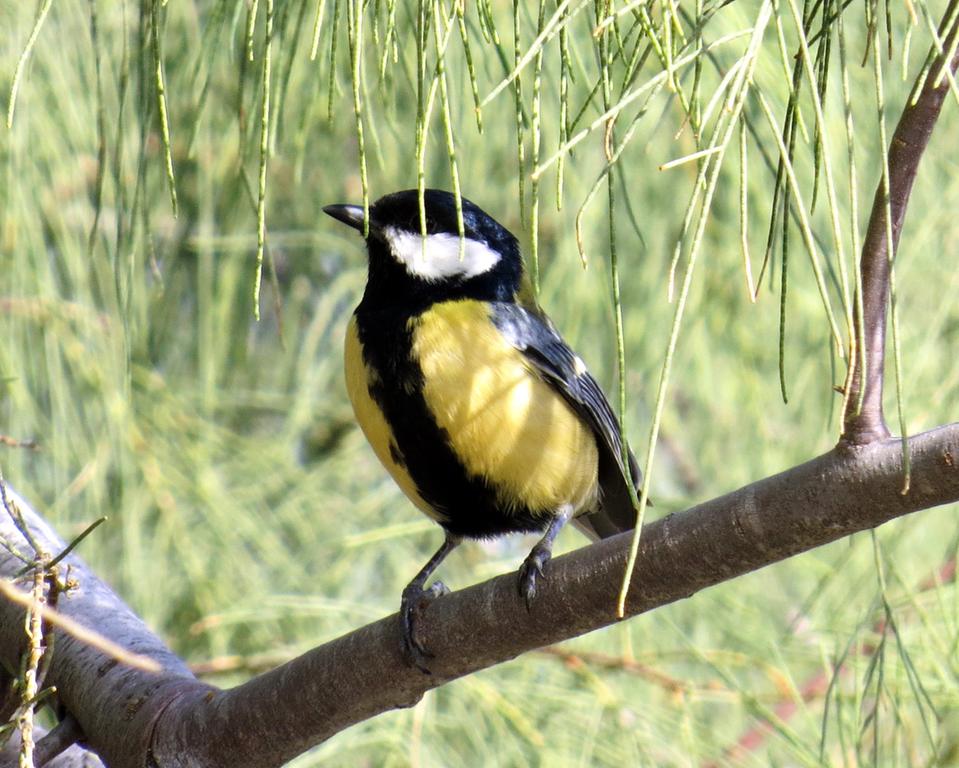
{"x": 533, "y": 568}
{"x": 414, "y": 602}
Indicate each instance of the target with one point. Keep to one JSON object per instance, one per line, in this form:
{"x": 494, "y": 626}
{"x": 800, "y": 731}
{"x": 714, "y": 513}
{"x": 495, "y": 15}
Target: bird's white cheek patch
{"x": 442, "y": 257}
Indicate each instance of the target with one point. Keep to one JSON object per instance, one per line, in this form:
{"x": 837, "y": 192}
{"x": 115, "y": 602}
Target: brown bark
{"x": 134, "y": 718}
{"x": 177, "y": 721}
{"x": 908, "y": 144}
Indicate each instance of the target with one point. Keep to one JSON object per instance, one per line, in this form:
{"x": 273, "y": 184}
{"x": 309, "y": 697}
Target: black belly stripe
{"x": 395, "y": 453}
{"x": 467, "y": 502}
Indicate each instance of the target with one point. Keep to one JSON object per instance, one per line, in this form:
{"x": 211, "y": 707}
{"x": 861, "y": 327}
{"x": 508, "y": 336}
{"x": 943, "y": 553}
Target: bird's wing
{"x": 534, "y": 335}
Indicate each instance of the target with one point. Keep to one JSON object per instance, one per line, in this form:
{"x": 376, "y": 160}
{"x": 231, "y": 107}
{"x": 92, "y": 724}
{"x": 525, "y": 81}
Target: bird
{"x": 483, "y": 415}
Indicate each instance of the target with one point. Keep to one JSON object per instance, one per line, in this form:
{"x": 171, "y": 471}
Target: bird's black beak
{"x": 351, "y": 215}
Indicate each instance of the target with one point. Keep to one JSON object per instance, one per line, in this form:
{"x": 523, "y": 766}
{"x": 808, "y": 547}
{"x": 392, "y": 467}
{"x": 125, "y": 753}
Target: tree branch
{"x": 909, "y": 142}
{"x": 64, "y": 735}
{"x": 92, "y": 686}
{"x": 55, "y": 749}
{"x": 178, "y": 721}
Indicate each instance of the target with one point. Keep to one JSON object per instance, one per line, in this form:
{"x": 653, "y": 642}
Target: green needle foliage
{"x": 691, "y": 182}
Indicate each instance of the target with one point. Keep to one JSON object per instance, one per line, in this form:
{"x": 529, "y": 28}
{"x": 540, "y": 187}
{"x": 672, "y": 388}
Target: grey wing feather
{"x": 544, "y": 348}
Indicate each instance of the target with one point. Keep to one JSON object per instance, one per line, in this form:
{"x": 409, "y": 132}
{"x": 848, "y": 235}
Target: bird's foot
{"x": 413, "y": 604}
{"x": 533, "y": 568}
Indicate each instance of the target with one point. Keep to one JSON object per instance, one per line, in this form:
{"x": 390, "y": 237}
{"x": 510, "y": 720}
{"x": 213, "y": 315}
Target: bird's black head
{"x": 485, "y": 265}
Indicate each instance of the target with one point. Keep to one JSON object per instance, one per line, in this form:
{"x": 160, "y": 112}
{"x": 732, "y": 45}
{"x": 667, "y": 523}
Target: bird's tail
{"x": 616, "y": 512}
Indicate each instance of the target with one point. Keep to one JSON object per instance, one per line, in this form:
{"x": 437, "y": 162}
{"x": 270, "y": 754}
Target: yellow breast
{"x": 503, "y": 421}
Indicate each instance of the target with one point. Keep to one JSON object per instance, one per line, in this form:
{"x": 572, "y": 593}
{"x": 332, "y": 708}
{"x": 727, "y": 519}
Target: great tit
{"x": 470, "y": 398}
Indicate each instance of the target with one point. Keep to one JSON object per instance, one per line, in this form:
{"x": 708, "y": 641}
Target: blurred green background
{"x": 248, "y": 519}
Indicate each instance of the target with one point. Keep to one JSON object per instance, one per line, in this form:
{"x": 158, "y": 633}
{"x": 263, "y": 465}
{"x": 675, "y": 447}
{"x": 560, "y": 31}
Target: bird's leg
{"x": 539, "y": 556}
{"x": 414, "y": 601}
